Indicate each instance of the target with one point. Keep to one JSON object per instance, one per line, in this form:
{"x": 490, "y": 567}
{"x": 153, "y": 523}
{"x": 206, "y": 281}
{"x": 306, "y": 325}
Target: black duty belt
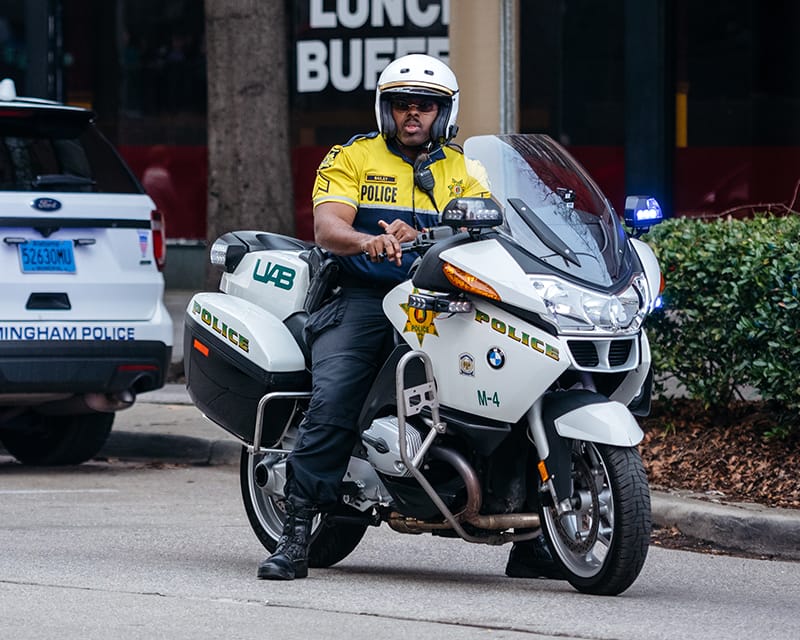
{"x": 349, "y": 281}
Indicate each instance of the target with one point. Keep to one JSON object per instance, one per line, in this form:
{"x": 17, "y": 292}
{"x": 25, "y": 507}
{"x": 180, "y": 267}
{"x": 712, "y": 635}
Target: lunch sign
{"x": 341, "y": 46}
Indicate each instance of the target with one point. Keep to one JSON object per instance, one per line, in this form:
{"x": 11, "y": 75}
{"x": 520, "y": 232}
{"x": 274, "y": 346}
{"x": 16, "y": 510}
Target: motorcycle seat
{"x": 266, "y": 240}
{"x": 296, "y": 324}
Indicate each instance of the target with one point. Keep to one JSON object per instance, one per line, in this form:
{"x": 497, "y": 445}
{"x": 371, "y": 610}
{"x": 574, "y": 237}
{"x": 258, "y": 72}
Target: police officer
{"x": 366, "y": 203}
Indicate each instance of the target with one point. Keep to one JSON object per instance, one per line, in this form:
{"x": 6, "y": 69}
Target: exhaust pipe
{"x": 261, "y": 474}
{"x": 270, "y": 476}
{"x": 468, "y": 475}
{"x": 108, "y": 403}
{"x": 90, "y": 402}
{"x": 497, "y": 522}
{"x": 470, "y": 513}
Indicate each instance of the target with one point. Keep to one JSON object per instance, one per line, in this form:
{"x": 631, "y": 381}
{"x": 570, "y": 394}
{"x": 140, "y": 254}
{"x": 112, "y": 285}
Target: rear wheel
{"x": 602, "y": 543}
{"x": 331, "y": 541}
{"x": 58, "y": 440}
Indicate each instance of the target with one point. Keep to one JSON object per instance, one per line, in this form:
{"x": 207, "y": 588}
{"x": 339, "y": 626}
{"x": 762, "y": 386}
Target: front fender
{"x": 584, "y": 415}
{"x": 564, "y": 416}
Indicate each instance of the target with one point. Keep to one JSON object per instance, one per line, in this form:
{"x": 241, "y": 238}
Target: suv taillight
{"x": 159, "y": 244}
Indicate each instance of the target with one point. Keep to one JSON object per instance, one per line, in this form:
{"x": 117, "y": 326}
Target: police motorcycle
{"x": 507, "y": 406}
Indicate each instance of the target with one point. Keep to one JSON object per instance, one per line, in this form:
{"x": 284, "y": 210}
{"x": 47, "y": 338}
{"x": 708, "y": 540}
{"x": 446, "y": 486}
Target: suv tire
{"x": 59, "y": 440}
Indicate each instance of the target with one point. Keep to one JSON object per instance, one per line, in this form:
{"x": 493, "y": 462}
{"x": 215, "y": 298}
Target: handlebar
{"x": 424, "y": 241}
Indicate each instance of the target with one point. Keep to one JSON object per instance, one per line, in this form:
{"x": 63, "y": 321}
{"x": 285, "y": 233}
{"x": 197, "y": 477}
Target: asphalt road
{"x": 164, "y": 426}
{"x": 135, "y": 550}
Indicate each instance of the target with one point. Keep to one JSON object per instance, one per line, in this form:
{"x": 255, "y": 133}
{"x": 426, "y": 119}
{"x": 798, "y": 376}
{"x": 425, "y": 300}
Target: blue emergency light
{"x": 642, "y": 212}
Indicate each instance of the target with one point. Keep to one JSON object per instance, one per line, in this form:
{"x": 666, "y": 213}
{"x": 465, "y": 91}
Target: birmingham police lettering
{"x": 61, "y": 332}
{"x": 215, "y": 324}
{"x": 279, "y": 275}
{"x": 511, "y": 332}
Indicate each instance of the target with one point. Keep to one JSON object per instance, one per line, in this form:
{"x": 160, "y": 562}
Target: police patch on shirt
{"x": 327, "y": 161}
{"x": 456, "y": 188}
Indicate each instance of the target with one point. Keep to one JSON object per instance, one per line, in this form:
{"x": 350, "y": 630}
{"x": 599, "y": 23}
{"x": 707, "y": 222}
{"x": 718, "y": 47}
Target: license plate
{"x": 38, "y": 256}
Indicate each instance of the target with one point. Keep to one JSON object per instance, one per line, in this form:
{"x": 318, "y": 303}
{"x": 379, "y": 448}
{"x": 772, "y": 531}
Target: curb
{"x": 737, "y": 526}
{"x": 128, "y": 445}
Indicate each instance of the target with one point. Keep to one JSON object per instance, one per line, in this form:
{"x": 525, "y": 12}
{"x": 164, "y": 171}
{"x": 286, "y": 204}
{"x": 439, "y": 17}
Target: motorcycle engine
{"x": 382, "y": 442}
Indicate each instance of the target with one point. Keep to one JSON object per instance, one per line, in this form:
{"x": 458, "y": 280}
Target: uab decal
{"x": 278, "y": 274}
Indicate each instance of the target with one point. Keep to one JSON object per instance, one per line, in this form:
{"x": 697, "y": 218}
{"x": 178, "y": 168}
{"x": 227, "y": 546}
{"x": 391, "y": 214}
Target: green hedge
{"x": 730, "y": 318}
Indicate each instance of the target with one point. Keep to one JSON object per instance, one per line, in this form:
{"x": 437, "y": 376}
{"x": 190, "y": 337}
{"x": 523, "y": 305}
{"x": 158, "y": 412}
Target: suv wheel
{"x": 59, "y": 440}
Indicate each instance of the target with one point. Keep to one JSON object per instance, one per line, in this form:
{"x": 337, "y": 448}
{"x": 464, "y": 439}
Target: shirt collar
{"x": 438, "y": 153}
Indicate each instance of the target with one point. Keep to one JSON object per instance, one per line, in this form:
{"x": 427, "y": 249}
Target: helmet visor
{"x": 422, "y": 88}
{"x": 422, "y": 103}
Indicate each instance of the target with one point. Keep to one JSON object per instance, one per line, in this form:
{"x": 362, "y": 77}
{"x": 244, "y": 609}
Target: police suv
{"x": 83, "y": 325}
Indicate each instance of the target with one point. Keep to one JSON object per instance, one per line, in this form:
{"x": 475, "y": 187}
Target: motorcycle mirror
{"x": 642, "y": 212}
{"x": 472, "y": 213}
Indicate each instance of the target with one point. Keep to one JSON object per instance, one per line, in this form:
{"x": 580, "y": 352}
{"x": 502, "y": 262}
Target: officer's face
{"x": 414, "y": 116}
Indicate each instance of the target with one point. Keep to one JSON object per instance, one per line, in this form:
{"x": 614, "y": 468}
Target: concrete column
{"x": 649, "y": 99}
{"x": 37, "y": 42}
{"x": 484, "y": 55}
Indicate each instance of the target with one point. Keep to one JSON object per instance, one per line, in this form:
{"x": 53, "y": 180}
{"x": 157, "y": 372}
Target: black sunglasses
{"x": 423, "y": 106}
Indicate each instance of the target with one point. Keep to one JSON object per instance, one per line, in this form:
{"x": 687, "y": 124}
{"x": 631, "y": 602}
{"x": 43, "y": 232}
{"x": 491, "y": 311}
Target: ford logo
{"x": 46, "y": 204}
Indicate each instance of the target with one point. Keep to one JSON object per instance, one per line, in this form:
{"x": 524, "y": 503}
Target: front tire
{"x": 58, "y": 440}
{"x": 331, "y": 542}
{"x": 601, "y": 544}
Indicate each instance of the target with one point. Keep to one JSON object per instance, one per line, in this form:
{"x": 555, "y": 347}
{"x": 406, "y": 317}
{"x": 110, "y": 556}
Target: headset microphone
{"x": 423, "y": 177}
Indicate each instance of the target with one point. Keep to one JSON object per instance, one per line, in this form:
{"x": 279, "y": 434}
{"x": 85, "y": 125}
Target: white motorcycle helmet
{"x": 418, "y": 74}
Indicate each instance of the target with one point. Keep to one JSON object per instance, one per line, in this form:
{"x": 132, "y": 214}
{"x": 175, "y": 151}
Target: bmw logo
{"x": 496, "y": 358}
{"x": 46, "y": 204}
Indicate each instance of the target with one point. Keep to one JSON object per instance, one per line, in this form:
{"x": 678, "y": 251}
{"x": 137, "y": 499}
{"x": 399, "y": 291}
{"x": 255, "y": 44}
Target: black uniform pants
{"x": 350, "y": 338}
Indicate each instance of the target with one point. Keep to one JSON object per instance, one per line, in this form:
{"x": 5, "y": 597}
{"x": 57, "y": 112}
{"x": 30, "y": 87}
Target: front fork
{"x": 559, "y": 418}
{"x": 555, "y": 458}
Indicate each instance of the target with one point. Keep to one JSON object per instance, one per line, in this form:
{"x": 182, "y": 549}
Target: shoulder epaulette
{"x": 361, "y": 136}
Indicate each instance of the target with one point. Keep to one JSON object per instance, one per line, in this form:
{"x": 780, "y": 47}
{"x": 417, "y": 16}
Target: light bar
{"x": 642, "y": 212}
{"x": 440, "y": 303}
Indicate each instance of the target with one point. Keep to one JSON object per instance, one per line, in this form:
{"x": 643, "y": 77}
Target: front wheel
{"x": 331, "y": 542}
{"x": 601, "y": 544}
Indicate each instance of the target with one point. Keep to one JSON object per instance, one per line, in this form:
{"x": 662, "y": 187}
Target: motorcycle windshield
{"x": 554, "y": 212}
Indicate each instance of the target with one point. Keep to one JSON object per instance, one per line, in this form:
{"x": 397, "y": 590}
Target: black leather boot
{"x": 290, "y": 559}
{"x": 532, "y": 559}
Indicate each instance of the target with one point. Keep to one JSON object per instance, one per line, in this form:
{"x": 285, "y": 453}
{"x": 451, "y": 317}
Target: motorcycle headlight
{"x": 574, "y": 309}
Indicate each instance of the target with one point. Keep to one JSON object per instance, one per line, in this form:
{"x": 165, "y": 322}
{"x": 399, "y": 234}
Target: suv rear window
{"x": 58, "y": 150}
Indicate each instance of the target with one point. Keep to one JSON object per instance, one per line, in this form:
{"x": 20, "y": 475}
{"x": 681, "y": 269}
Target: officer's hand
{"x": 403, "y": 231}
{"x": 381, "y": 247}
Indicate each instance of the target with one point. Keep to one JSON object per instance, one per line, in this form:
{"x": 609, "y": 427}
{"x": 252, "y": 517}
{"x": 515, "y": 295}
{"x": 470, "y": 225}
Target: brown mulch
{"x": 724, "y": 455}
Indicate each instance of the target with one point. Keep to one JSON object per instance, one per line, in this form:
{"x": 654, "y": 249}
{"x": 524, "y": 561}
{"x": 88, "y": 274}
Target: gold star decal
{"x": 456, "y": 188}
{"x": 419, "y": 321}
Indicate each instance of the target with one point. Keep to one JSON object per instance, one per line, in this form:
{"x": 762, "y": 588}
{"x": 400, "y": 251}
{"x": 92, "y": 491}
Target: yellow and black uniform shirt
{"x": 369, "y": 174}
